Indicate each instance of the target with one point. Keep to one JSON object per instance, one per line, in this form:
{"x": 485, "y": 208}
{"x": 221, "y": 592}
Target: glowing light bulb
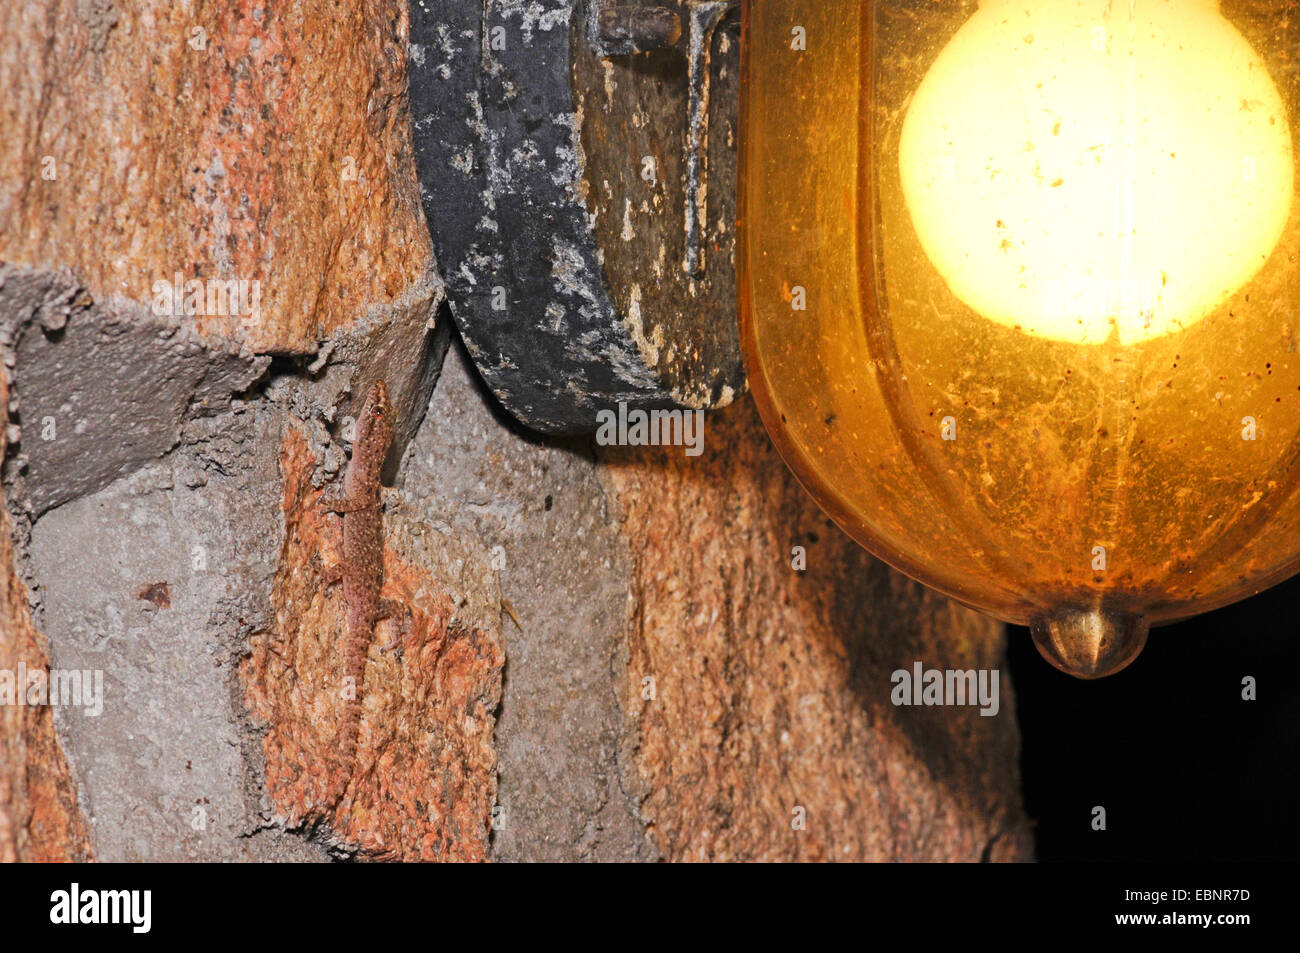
{"x": 1085, "y": 168}
{"x": 1019, "y": 286}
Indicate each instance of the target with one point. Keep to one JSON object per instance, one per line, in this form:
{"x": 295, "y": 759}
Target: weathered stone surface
{"x": 157, "y": 580}
{"x": 40, "y": 819}
{"x": 401, "y": 341}
{"x": 540, "y": 509}
{"x": 424, "y": 780}
{"x": 220, "y": 139}
{"x": 104, "y": 388}
{"x": 771, "y": 687}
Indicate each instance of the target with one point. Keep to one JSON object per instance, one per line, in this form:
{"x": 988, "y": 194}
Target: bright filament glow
{"x": 1086, "y": 170}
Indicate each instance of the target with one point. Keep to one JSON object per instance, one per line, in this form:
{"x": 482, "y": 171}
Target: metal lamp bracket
{"x": 565, "y": 165}
{"x": 624, "y": 29}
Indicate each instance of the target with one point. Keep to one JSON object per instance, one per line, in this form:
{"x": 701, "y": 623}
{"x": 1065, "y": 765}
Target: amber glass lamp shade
{"x": 1018, "y": 287}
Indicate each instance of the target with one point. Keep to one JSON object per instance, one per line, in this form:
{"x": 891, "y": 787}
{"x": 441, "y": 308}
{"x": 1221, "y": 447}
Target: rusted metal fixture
{"x": 577, "y": 166}
{"x": 627, "y": 28}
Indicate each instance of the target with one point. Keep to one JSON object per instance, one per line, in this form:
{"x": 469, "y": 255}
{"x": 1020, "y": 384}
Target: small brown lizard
{"x": 361, "y": 570}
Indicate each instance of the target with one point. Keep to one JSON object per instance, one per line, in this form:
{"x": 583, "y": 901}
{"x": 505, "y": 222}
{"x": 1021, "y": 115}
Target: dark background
{"x": 1185, "y": 768}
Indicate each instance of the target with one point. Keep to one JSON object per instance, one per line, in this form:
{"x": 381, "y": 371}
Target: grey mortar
{"x": 566, "y": 570}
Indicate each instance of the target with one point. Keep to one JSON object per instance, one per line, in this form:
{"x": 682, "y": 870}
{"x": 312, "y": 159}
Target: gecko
{"x": 361, "y": 570}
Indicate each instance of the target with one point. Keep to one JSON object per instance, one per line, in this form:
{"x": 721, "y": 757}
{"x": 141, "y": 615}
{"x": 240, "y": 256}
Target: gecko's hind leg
{"x": 392, "y": 609}
{"x": 330, "y": 576}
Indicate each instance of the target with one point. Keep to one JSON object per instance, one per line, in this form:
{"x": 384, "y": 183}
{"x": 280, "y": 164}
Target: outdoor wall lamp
{"x": 1015, "y": 276}
{"x": 1041, "y": 355}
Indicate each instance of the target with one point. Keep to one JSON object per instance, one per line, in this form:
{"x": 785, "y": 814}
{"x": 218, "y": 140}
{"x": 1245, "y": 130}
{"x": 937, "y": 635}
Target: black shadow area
{"x": 1184, "y": 767}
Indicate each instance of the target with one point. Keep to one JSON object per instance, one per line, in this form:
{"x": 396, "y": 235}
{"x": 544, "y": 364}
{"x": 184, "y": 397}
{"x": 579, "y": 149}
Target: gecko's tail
{"x": 348, "y": 738}
{"x": 355, "y": 670}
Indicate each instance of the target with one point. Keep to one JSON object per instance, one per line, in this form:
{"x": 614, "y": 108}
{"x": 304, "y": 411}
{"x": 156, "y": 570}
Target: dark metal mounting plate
{"x": 562, "y": 189}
